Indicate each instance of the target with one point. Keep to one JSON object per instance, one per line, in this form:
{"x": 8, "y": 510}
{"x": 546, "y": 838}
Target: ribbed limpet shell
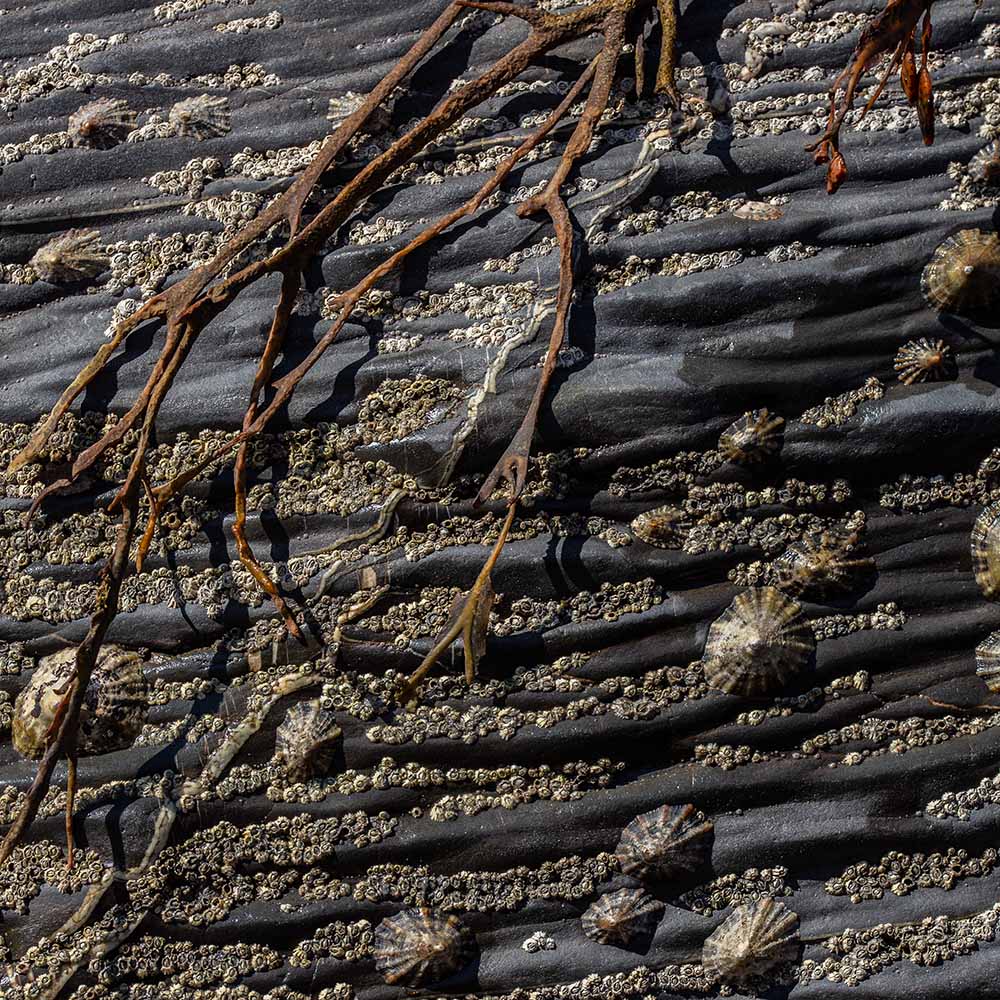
{"x": 665, "y": 842}
{"x": 114, "y": 707}
{"x": 418, "y": 946}
{"x": 988, "y": 661}
{"x": 985, "y": 165}
{"x": 662, "y": 527}
{"x": 820, "y": 565}
{"x": 986, "y": 551}
{"x": 305, "y": 742}
{"x": 759, "y": 643}
{"x": 202, "y": 117}
{"x": 73, "y": 256}
{"x": 751, "y": 941}
{"x": 101, "y": 124}
{"x": 756, "y": 436}
{"x": 924, "y": 360}
{"x": 620, "y": 917}
{"x": 963, "y": 276}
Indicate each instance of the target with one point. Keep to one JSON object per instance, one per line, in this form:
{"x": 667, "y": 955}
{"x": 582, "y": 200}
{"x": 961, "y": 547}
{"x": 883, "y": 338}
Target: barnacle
{"x": 819, "y": 564}
{"x": 985, "y": 165}
{"x": 963, "y": 276}
{"x": 202, "y": 116}
{"x": 988, "y": 661}
{"x": 72, "y": 256}
{"x": 114, "y": 704}
{"x": 757, "y": 435}
{"x": 986, "y": 551}
{"x": 618, "y": 917}
{"x": 418, "y": 946}
{"x": 923, "y": 360}
{"x": 304, "y": 743}
{"x": 102, "y": 123}
{"x": 665, "y": 842}
{"x": 662, "y": 527}
{"x": 757, "y": 644}
{"x": 752, "y": 940}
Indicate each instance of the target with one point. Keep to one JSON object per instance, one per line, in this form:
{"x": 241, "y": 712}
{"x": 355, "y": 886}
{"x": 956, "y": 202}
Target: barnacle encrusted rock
{"x": 758, "y": 644}
{"x": 417, "y": 947}
{"x": 114, "y": 705}
{"x": 755, "y": 938}
{"x": 665, "y": 842}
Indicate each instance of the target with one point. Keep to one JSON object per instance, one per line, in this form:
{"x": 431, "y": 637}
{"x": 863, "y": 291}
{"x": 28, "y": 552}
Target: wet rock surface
{"x": 863, "y": 794}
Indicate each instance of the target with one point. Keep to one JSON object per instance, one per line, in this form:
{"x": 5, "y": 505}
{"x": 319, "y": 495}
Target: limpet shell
{"x": 114, "y": 706}
{"x": 820, "y": 565}
{"x": 619, "y": 917}
{"x": 101, "y": 124}
{"x": 752, "y": 940}
{"x": 759, "y": 643}
{"x": 963, "y": 276}
{"x": 418, "y": 946}
{"x": 923, "y": 360}
{"x": 756, "y": 436}
{"x": 73, "y": 256}
{"x": 665, "y": 842}
{"x": 986, "y": 551}
{"x": 758, "y": 211}
{"x": 988, "y": 661}
{"x": 202, "y": 116}
{"x": 662, "y": 527}
{"x": 305, "y": 742}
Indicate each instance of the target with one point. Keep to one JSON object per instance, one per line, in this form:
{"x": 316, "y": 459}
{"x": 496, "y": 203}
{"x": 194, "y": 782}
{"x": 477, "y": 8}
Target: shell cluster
{"x": 963, "y": 276}
{"x": 662, "y": 527}
{"x": 305, "y": 742}
{"x": 752, "y": 940}
{"x": 988, "y": 661}
{"x": 759, "y": 643}
{"x": 986, "y": 551}
{"x": 418, "y": 946}
{"x": 758, "y": 435}
{"x": 620, "y": 917}
{"x": 73, "y": 256}
{"x": 665, "y": 842}
{"x": 924, "y": 360}
{"x": 201, "y": 117}
{"x": 101, "y": 124}
{"x": 114, "y": 704}
{"x": 820, "y": 565}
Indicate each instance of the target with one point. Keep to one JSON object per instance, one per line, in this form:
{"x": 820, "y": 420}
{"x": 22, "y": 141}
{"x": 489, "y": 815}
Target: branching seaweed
{"x": 186, "y": 308}
{"x": 891, "y": 31}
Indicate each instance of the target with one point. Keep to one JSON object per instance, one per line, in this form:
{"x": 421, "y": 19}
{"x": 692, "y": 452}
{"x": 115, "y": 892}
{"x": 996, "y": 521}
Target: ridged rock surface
{"x": 885, "y": 747}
